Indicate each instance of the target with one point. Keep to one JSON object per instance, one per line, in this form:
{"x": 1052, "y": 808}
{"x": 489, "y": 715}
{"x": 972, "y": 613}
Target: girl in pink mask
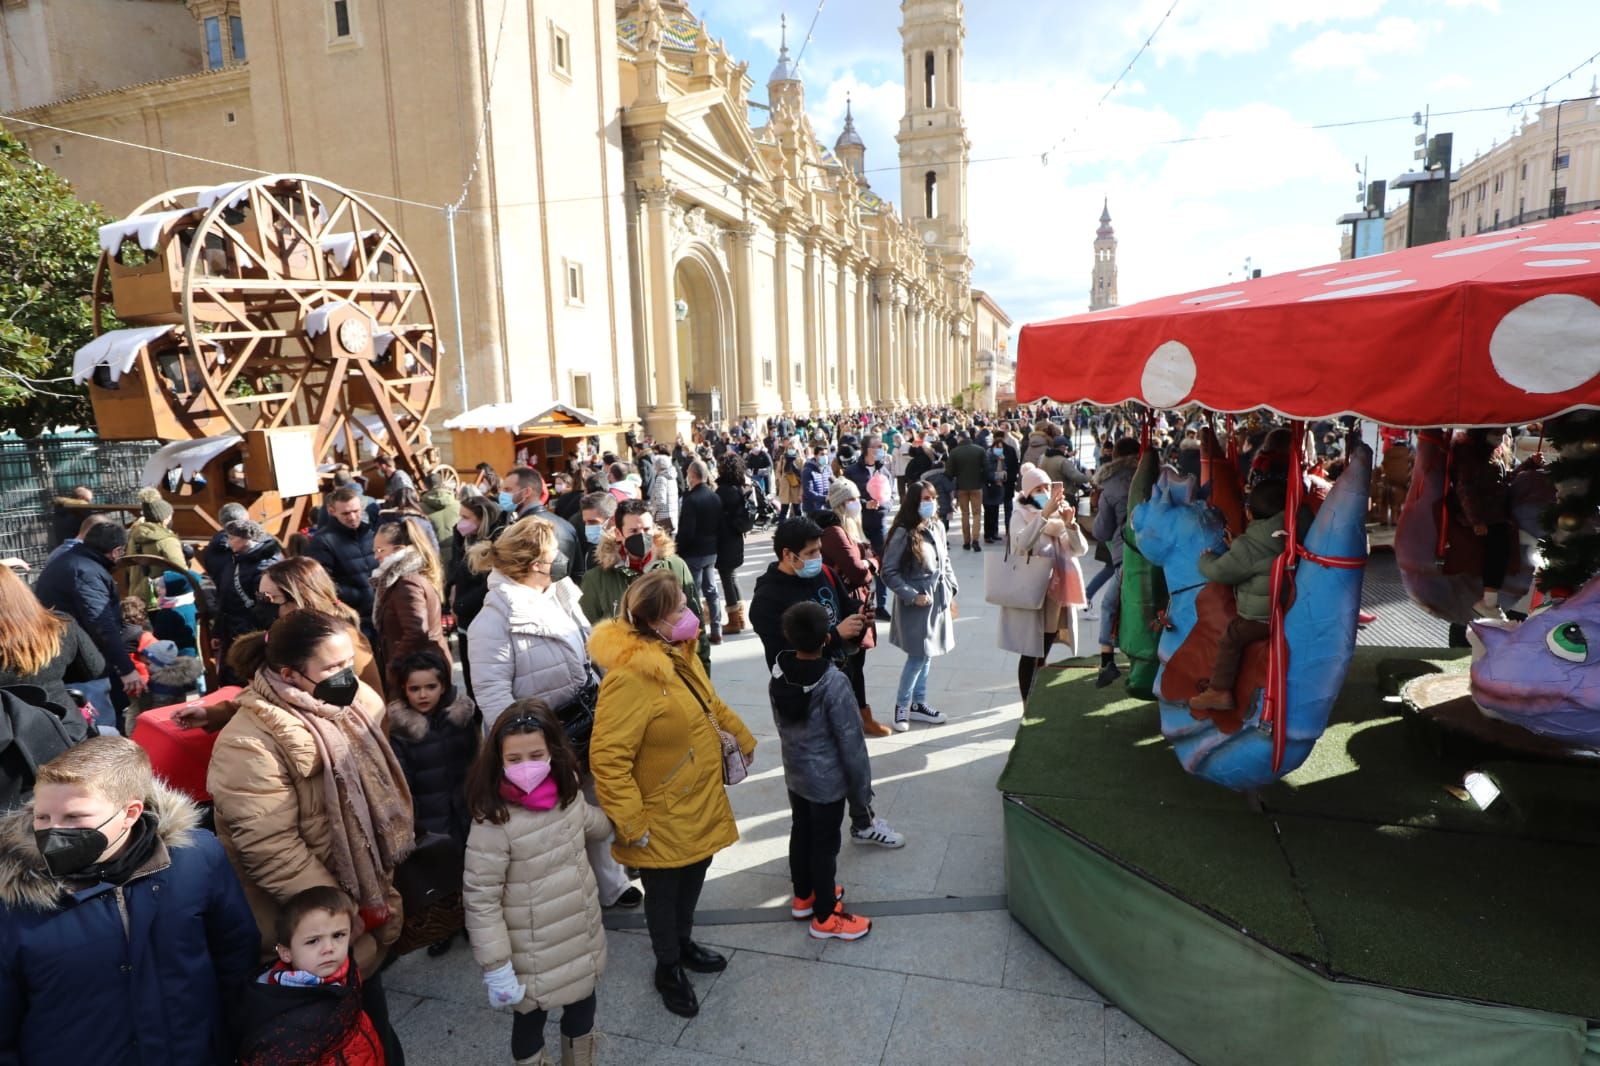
{"x": 533, "y": 909}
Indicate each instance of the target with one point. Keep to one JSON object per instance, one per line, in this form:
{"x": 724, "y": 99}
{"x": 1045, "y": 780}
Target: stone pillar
{"x": 866, "y": 392}
{"x": 780, "y": 297}
{"x": 888, "y": 307}
{"x": 751, "y": 387}
{"x": 666, "y": 417}
{"x": 844, "y": 355}
{"x": 810, "y": 307}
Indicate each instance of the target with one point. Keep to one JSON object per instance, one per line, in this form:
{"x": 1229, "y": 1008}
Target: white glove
{"x": 504, "y": 988}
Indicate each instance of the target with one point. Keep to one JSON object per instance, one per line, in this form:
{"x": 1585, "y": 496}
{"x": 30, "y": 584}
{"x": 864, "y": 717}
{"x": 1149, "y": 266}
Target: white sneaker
{"x": 921, "y": 712}
{"x": 878, "y": 833}
{"x": 1485, "y": 609}
{"x": 902, "y": 719}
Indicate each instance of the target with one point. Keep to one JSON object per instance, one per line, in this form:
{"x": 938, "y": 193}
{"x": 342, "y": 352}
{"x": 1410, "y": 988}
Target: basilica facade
{"x": 580, "y": 181}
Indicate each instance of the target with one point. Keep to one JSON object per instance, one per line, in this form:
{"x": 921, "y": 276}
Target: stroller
{"x": 766, "y": 513}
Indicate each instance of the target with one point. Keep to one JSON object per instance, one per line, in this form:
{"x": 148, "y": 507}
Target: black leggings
{"x": 527, "y": 1030}
{"x": 814, "y": 851}
{"x": 1496, "y": 555}
{"x": 1028, "y": 665}
{"x": 670, "y": 897}
{"x": 376, "y": 1005}
{"x": 854, "y": 667}
{"x": 730, "y": 584}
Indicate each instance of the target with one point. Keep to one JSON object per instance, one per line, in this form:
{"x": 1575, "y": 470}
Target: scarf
{"x": 404, "y": 561}
{"x": 542, "y": 798}
{"x": 281, "y": 974}
{"x": 367, "y": 801}
{"x": 120, "y": 868}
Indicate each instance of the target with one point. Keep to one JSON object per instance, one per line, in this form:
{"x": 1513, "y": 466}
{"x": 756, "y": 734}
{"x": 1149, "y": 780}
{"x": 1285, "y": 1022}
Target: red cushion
{"x": 180, "y": 756}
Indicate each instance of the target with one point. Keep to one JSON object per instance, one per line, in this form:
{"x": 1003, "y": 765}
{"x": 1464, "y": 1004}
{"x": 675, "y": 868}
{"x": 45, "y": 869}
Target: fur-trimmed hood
{"x": 413, "y": 726}
{"x": 608, "y": 553}
{"x": 24, "y": 880}
{"x": 184, "y": 672}
{"x": 617, "y": 645}
{"x": 1115, "y": 469}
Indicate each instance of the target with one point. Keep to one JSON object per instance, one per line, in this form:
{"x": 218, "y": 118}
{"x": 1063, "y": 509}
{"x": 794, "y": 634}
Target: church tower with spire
{"x": 850, "y": 148}
{"x": 1103, "y": 282}
{"x": 934, "y": 149}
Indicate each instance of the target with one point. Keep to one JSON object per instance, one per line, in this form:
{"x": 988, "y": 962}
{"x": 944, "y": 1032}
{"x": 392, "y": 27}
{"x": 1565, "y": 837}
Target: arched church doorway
{"x": 701, "y": 305}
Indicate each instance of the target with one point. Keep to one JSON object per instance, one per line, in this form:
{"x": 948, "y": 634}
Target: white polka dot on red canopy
{"x": 1580, "y": 246}
{"x": 1556, "y": 262}
{"x": 1473, "y": 249}
{"x": 1354, "y": 279}
{"x": 1168, "y": 376}
{"x": 1549, "y": 344}
{"x": 1359, "y": 290}
{"x": 1212, "y": 297}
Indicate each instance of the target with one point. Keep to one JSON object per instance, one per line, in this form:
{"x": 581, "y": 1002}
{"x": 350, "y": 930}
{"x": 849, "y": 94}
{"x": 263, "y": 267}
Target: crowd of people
{"x": 368, "y": 797}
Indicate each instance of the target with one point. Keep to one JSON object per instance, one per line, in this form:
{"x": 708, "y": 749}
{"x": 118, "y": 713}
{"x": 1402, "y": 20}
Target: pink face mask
{"x": 687, "y": 627}
{"x": 466, "y": 527}
{"x": 528, "y": 775}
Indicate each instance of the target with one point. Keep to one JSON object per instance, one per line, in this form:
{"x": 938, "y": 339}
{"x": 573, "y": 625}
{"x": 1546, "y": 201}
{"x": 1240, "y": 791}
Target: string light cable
{"x": 1541, "y": 94}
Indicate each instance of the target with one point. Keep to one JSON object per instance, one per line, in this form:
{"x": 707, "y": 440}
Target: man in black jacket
{"x": 526, "y": 486}
{"x": 343, "y": 545}
{"x": 798, "y": 577}
{"x": 79, "y": 583}
{"x": 699, "y": 520}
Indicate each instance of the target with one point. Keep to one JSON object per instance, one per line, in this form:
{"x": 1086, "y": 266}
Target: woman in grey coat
{"x": 916, "y": 567}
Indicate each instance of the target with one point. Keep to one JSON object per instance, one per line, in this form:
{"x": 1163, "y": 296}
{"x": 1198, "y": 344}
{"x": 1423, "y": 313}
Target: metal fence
{"x": 34, "y": 472}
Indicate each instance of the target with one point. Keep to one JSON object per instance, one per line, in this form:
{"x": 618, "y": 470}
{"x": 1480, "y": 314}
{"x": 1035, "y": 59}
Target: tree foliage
{"x": 48, "y": 251}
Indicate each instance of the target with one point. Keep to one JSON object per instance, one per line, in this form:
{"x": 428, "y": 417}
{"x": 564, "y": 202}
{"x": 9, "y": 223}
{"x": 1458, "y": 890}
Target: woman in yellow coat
{"x": 657, "y": 766}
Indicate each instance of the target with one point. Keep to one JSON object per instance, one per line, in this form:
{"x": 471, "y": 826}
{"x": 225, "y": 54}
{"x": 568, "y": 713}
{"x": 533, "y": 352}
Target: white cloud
{"x": 1450, "y": 83}
{"x": 1343, "y": 50}
{"x": 1235, "y": 27}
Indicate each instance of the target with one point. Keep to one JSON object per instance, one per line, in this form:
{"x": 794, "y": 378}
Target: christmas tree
{"x": 1571, "y": 545}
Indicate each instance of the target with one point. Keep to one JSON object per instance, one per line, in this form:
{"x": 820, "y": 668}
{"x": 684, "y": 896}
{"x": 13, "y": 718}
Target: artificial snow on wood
{"x": 116, "y": 349}
{"x": 341, "y": 246}
{"x": 317, "y": 324}
{"x": 512, "y": 416}
{"x": 147, "y": 228}
{"x": 236, "y": 192}
{"x": 187, "y": 457}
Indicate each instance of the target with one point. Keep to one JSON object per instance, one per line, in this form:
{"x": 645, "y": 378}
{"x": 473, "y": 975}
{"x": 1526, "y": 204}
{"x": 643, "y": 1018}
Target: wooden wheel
{"x": 303, "y": 308}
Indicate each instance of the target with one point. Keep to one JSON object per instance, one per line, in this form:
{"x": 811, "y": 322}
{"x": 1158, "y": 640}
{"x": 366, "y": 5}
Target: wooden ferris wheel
{"x": 250, "y": 314}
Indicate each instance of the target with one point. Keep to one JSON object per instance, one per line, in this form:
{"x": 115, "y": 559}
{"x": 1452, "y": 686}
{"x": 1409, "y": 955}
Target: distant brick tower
{"x": 1103, "y": 285}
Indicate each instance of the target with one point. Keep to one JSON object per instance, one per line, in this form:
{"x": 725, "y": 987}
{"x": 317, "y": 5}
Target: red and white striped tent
{"x": 1495, "y": 329}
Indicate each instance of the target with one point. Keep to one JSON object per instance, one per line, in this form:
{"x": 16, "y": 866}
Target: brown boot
{"x": 1212, "y": 699}
{"x": 735, "y": 619}
{"x": 579, "y": 1051}
{"x": 870, "y": 727}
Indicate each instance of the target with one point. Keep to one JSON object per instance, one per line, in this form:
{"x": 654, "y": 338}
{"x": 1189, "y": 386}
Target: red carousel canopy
{"x": 1500, "y": 328}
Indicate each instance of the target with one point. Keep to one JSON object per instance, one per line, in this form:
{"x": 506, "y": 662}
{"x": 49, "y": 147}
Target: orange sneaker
{"x": 802, "y": 907}
{"x": 841, "y": 926}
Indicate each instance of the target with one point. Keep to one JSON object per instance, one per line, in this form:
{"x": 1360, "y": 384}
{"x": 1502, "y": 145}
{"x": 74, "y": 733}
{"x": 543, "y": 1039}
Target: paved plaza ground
{"x": 946, "y": 975}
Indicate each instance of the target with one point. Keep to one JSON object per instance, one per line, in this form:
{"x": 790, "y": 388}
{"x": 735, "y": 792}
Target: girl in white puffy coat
{"x": 533, "y": 912}
{"x": 530, "y": 642}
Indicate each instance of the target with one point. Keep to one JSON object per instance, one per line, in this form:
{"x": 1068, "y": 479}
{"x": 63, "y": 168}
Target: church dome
{"x": 848, "y": 137}
{"x": 1105, "y": 232}
{"x": 785, "y": 70}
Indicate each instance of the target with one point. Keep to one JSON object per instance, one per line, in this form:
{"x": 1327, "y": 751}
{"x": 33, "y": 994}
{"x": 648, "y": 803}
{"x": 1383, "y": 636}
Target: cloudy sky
{"x": 1249, "y": 78}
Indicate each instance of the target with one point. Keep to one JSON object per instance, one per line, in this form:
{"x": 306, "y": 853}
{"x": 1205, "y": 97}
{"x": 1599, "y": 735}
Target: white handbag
{"x": 1016, "y": 580}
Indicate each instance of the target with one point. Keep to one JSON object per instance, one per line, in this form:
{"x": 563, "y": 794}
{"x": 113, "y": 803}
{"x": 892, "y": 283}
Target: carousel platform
{"x": 1365, "y": 909}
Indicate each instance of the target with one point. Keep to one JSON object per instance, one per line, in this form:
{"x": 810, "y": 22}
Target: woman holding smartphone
{"x": 1045, "y": 525}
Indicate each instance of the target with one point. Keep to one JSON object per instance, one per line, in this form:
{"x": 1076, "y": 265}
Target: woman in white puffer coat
{"x": 530, "y": 642}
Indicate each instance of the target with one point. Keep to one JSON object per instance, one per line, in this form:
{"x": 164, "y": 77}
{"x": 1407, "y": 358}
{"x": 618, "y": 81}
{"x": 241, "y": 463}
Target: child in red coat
{"x": 306, "y": 1010}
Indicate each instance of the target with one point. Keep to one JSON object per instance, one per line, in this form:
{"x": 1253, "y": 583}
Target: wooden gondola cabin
{"x": 144, "y": 384}
{"x": 146, "y": 256}
{"x": 505, "y": 435}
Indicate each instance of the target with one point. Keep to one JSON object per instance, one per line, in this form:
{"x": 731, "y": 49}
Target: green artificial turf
{"x": 1362, "y": 861}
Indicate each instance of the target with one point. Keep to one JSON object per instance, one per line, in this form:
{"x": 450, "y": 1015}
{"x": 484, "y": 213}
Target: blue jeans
{"x": 913, "y": 681}
{"x": 1109, "y": 609}
{"x": 1099, "y": 580}
{"x": 703, "y": 568}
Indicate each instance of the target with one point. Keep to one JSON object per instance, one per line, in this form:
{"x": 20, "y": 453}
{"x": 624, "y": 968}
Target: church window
{"x": 582, "y": 392}
{"x": 236, "y": 37}
{"x": 341, "y": 18}
{"x": 561, "y": 51}
{"x": 766, "y": 372}
{"x": 930, "y": 195}
{"x": 574, "y": 275}
{"x": 213, "y": 27}
{"x": 927, "y": 80}
{"x": 950, "y": 78}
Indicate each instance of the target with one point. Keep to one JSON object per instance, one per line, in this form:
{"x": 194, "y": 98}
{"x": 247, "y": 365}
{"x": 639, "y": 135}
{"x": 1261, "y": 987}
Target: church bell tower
{"x": 1103, "y": 282}
{"x": 934, "y": 149}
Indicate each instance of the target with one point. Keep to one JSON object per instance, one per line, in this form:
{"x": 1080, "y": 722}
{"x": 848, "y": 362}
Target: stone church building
{"x": 626, "y": 239}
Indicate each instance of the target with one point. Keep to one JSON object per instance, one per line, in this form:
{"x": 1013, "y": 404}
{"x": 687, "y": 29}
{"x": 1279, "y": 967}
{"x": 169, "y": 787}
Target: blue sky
{"x": 1250, "y": 75}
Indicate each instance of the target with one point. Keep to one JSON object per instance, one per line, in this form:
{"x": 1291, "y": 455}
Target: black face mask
{"x": 264, "y": 613}
{"x": 68, "y": 851}
{"x": 338, "y": 690}
{"x": 638, "y": 545}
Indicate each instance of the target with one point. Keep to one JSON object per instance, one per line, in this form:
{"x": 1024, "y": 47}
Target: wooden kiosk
{"x": 505, "y": 435}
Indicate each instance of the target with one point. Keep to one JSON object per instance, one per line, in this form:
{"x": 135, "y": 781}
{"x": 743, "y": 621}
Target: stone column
{"x": 751, "y": 387}
{"x": 883, "y": 287}
{"x": 780, "y": 297}
{"x": 810, "y": 306}
{"x": 666, "y": 416}
{"x": 844, "y": 355}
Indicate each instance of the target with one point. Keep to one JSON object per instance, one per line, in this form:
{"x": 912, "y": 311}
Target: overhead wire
{"x": 1044, "y": 156}
{"x": 1544, "y": 92}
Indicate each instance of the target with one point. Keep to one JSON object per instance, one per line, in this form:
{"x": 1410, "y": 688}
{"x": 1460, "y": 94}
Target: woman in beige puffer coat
{"x": 532, "y": 905}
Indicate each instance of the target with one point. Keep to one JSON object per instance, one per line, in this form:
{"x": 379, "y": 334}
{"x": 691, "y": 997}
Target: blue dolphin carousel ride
{"x": 1357, "y": 903}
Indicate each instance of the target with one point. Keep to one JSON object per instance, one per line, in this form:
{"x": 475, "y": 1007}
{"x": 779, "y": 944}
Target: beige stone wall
{"x": 1514, "y": 179}
{"x": 51, "y": 50}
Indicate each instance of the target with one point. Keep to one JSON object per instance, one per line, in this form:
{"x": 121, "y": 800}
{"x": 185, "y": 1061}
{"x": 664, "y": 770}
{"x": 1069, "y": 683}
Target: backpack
{"x": 31, "y": 734}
